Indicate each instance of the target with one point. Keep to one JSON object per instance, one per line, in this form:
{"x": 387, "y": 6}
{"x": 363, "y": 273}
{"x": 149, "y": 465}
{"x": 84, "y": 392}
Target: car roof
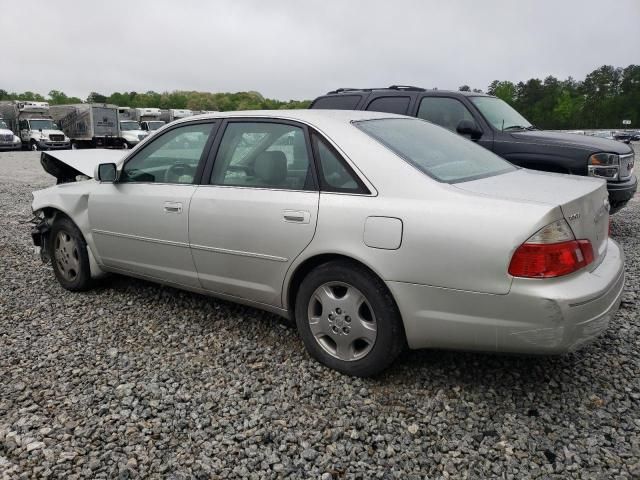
{"x": 402, "y": 90}
{"x": 319, "y": 118}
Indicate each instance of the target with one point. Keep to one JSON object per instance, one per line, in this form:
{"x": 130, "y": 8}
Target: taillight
{"x": 551, "y": 252}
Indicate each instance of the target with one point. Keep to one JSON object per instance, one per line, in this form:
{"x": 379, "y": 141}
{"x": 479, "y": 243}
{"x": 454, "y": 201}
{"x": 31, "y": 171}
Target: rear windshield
{"x": 439, "y": 153}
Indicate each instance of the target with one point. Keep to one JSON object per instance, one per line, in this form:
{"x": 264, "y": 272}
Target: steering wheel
{"x": 174, "y": 172}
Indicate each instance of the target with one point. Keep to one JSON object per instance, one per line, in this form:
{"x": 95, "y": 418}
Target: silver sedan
{"x": 374, "y": 232}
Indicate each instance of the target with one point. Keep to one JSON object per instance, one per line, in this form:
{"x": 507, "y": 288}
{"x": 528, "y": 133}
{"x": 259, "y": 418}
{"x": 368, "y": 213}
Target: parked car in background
{"x": 32, "y": 122}
{"x": 608, "y": 134}
{"x": 495, "y": 125}
{"x": 8, "y": 141}
{"x": 295, "y": 212}
{"x": 622, "y": 136}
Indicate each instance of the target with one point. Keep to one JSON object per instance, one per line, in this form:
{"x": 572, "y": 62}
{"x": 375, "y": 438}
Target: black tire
{"x": 71, "y": 266}
{"x": 390, "y": 339}
{"x": 33, "y": 146}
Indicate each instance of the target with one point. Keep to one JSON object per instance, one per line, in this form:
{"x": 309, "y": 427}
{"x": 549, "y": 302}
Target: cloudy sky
{"x": 298, "y": 49}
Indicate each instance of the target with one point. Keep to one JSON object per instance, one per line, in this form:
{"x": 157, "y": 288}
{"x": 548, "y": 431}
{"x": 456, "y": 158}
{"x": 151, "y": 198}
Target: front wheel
{"x": 34, "y": 146}
{"x": 348, "y": 320}
{"x": 126, "y": 146}
{"x": 69, "y": 255}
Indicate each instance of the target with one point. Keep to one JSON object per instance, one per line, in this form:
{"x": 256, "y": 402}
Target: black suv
{"x": 495, "y": 125}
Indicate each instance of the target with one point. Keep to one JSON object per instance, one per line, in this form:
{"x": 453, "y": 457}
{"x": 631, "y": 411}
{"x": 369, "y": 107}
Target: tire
{"x": 126, "y": 146}
{"x": 348, "y": 319}
{"x": 34, "y": 146}
{"x": 69, "y": 256}
{"x": 75, "y": 146}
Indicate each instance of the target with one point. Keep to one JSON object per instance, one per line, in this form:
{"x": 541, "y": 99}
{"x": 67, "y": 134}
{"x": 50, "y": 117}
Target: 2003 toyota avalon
{"x": 374, "y": 231}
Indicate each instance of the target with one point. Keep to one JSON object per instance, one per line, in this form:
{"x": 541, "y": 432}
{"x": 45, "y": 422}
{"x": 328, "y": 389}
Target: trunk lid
{"x": 583, "y": 200}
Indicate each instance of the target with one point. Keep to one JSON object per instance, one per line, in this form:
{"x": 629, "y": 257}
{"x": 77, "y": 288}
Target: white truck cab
{"x": 131, "y": 133}
{"x": 8, "y": 141}
{"x": 36, "y": 128}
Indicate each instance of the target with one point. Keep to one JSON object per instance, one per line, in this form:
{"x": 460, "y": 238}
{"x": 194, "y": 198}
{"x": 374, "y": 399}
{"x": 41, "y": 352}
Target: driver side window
{"x": 444, "y": 111}
{"x": 170, "y": 158}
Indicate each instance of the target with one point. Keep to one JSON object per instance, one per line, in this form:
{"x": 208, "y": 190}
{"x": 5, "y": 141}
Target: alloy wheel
{"x": 342, "y": 321}
{"x": 67, "y": 256}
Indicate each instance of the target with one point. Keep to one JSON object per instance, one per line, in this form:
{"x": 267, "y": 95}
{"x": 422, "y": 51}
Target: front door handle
{"x": 173, "y": 207}
{"x": 296, "y": 216}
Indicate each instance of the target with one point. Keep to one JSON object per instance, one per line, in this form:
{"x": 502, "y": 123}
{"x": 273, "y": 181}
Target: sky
{"x": 299, "y": 49}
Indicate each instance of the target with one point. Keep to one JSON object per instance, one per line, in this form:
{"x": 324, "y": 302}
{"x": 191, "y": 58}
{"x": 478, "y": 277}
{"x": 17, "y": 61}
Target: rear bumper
{"x": 537, "y": 316}
{"x": 621, "y": 192}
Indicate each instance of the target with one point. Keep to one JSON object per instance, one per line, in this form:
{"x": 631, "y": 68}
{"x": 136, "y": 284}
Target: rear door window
{"x": 398, "y": 105}
{"x": 337, "y": 102}
{"x": 263, "y": 155}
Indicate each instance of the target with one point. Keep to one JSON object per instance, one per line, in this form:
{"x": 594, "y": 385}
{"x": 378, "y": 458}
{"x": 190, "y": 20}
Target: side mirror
{"x": 469, "y": 127}
{"x": 106, "y": 172}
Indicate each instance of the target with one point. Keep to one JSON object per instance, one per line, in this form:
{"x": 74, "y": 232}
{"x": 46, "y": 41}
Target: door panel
{"x": 143, "y": 228}
{"x": 141, "y": 223}
{"x": 243, "y": 240}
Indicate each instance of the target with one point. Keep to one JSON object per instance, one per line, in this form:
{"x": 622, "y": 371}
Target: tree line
{"x": 603, "y": 99}
{"x": 176, "y": 99}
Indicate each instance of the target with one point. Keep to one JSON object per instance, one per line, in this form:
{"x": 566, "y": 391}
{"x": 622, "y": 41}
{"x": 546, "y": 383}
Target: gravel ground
{"x": 137, "y": 380}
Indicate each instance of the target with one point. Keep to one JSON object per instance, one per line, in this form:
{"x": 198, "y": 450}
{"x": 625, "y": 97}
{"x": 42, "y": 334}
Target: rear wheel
{"x": 348, "y": 319}
{"x": 69, "y": 255}
{"x": 126, "y": 146}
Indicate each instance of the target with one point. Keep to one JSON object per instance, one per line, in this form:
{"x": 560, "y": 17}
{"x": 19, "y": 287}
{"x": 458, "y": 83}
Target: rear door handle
{"x": 296, "y": 216}
{"x": 173, "y": 207}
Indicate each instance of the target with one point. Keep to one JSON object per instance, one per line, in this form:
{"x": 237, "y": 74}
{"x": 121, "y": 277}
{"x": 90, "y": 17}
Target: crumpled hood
{"x": 586, "y": 142}
{"x": 65, "y": 165}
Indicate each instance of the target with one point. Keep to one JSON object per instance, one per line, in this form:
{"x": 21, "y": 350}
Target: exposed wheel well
{"x": 308, "y": 265}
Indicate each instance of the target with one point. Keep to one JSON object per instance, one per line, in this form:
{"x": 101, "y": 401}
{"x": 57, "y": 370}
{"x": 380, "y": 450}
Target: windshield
{"x": 155, "y": 125}
{"x": 500, "y": 114}
{"x": 2, "y": 124}
{"x": 129, "y": 125}
{"x": 42, "y": 124}
{"x": 435, "y": 151}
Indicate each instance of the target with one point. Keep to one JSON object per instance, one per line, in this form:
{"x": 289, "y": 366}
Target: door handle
{"x": 296, "y": 216}
{"x": 173, "y": 207}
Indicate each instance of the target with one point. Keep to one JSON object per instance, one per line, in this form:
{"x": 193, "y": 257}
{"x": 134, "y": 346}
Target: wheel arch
{"x": 301, "y": 270}
{"x": 51, "y": 214}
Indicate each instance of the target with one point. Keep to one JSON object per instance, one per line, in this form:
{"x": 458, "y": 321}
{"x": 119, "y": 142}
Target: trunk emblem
{"x": 573, "y": 216}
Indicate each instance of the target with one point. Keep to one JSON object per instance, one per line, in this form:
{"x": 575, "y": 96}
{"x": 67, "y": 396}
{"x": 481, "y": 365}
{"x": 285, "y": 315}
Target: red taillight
{"x": 545, "y": 260}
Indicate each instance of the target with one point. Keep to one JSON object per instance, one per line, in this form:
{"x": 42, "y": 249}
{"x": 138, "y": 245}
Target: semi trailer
{"x": 172, "y": 114}
{"x": 89, "y": 125}
{"x": 33, "y": 124}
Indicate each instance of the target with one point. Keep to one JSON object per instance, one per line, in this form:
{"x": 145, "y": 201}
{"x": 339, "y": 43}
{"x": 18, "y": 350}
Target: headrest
{"x": 271, "y": 167}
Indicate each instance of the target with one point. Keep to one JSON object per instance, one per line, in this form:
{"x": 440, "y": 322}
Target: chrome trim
{"x": 142, "y": 239}
{"x": 196, "y": 247}
{"x": 240, "y": 253}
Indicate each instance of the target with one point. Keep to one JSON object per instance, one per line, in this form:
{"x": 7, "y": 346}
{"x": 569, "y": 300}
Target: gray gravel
{"x": 137, "y": 380}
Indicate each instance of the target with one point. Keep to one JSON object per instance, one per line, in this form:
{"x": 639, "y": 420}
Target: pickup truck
{"x": 494, "y": 124}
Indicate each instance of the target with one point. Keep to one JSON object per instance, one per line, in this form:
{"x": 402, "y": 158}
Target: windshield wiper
{"x": 515, "y": 127}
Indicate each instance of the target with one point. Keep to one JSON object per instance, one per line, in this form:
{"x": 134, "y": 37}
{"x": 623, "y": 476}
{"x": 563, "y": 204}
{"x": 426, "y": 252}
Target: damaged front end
{"x": 40, "y": 234}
